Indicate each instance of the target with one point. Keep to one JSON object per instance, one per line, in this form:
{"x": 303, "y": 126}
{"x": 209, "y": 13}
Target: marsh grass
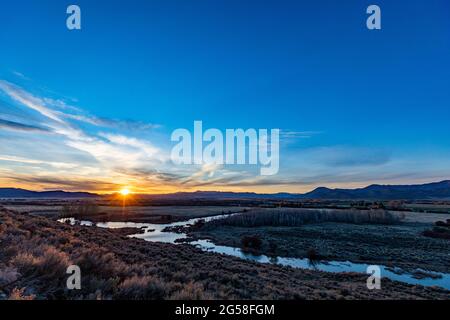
{"x": 299, "y": 217}
{"x": 79, "y": 210}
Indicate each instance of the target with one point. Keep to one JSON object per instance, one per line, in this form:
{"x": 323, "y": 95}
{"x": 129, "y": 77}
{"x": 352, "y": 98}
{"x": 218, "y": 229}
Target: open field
{"x": 149, "y": 214}
{"x": 35, "y": 252}
{"x": 429, "y": 207}
{"x": 104, "y": 213}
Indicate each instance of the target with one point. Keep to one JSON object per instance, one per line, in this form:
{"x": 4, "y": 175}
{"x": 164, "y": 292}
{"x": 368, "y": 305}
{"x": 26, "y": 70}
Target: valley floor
{"x": 401, "y": 246}
{"x": 35, "y": 252}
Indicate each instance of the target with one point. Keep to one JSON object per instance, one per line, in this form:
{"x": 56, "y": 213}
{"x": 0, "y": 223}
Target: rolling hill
{"x": 56, "y": 194}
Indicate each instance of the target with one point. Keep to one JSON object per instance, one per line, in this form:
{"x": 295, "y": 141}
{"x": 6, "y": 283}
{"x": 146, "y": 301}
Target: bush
{"x": 8, "y": 275}
{"x": 101, "y": 264}
{"x": 251, "y": 242}
{"x": 142, "y": 288}
{"x": 191, "y": 291}
{"x": 438, "y": 232}
{"x": 443, "y": 224}
{"x": 45, "y": 261}
{"x": 312, "y": 255}
{"x": 18, "y": 294}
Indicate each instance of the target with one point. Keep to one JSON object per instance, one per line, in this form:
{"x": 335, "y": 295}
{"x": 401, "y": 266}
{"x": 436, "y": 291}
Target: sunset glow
{"x": 124, "y": 192}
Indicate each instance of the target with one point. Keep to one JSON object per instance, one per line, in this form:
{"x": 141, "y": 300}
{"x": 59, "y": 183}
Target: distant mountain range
{"x": 57, "y": 194}
{"x": 435, "y": 190}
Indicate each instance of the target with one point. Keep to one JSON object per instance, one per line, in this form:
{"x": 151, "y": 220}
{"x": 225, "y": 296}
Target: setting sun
{"x": 124, "y": 192}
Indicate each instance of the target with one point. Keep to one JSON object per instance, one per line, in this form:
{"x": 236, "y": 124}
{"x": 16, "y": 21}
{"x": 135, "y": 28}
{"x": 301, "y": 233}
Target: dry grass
{"x": 142, "y": 288}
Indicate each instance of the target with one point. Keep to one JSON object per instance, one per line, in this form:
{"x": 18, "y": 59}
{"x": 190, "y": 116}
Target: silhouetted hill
{"x": 385, "y": 192}
{"x": 205, "y": 195}
{"x": 57, "y": 194}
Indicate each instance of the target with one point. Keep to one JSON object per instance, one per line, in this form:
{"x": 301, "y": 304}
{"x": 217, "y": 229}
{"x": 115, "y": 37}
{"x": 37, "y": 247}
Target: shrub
{"x": 191, "y": 291}
{"x": 18, "y": 294}
{"x": 443, "y": 224}
{"x": 100, "y": 263}
{"x": 44, "y": 261}
{"x": 142, "y": 288}
{"x": 199, "y": 223}
{"x": 8, "y": 275}
{"x": 438, "y": 232}
{"x": 312, "y": 255}
{"x": 251, "y": 242}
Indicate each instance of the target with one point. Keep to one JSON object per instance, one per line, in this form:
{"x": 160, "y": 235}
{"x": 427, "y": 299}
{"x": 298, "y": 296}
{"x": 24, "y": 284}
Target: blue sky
{"x": 355, "y": 106}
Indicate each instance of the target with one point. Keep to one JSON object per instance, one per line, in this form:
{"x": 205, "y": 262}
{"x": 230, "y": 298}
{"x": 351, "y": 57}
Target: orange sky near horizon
{"x": 165, "y": 189}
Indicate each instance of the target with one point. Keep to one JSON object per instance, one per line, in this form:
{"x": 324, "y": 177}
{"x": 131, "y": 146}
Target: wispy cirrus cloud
{"x": 292, "y": 134}
{"x": 67, "y": 183}
{"x": 20, "y": 75}
{"x": 27, "y": 99}
{"x": 348, "y": 156}
{"x": 46, "y": 142}
{"x": 17, "y": 126}
{"x": 112, "y": 152}
{"x": 62, "y": 112}
{"x": 117, "y": 155}
{"x": 111, "y": 123}
{"x": 56, "y": 164}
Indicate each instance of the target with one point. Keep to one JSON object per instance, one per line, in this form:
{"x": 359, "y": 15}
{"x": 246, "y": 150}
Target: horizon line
{"x": 221, "y": 191}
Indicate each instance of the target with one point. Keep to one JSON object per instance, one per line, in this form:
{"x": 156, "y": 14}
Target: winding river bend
{"x": 154, "y": 233}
